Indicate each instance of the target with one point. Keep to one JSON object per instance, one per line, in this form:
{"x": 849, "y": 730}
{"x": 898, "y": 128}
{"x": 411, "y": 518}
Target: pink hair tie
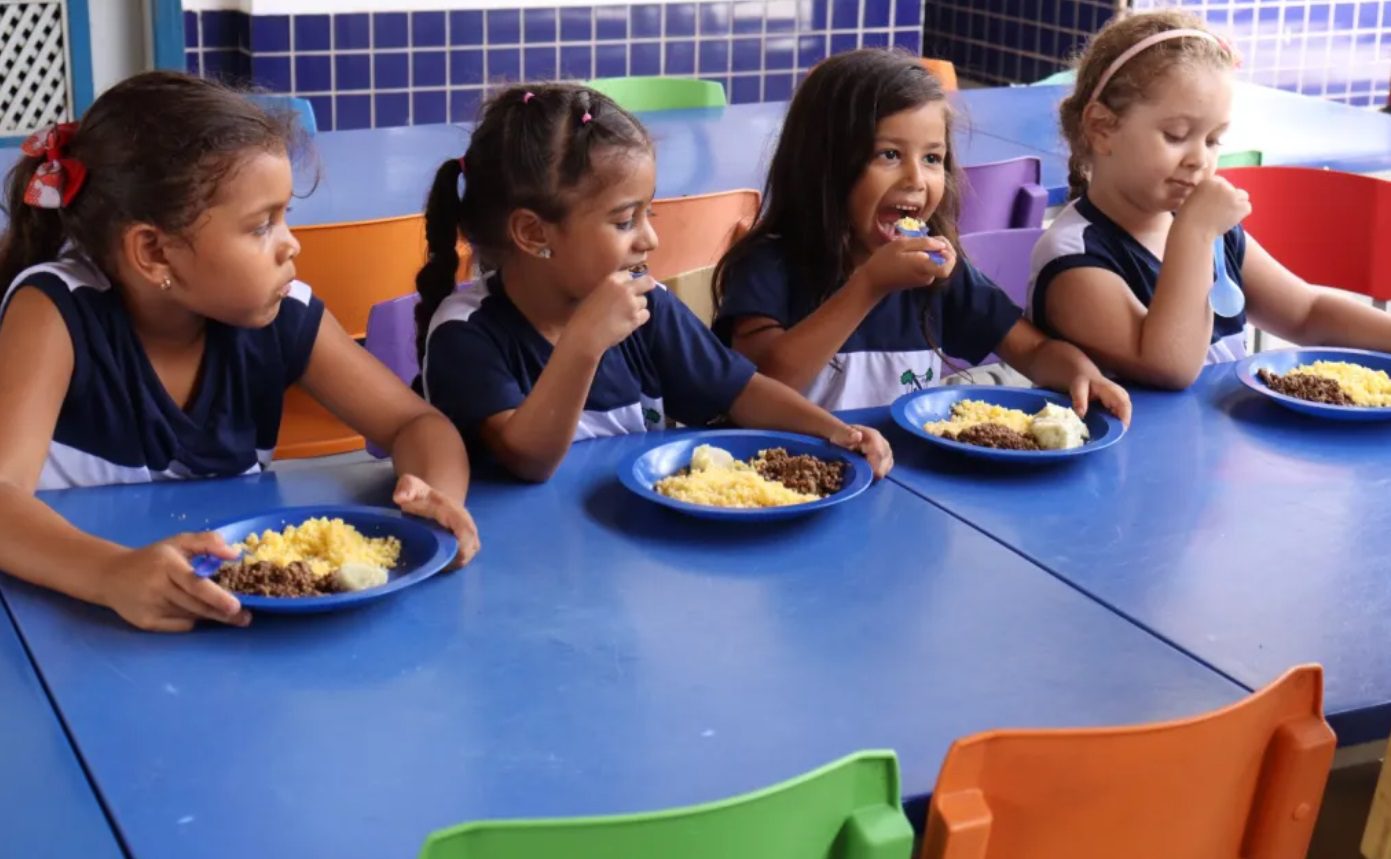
{"x": 1144, "y": 43}
{"x": 526, "y": 99}
{"x": 584, "y": 120}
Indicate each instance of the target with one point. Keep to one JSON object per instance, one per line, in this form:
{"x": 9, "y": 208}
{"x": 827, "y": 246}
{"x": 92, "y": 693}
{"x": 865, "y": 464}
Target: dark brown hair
{"x": 1133, "y": 81}
{"x": 533, "y": 148}
{"x": 827, "y": 141}
{"x": 157, "y": 147}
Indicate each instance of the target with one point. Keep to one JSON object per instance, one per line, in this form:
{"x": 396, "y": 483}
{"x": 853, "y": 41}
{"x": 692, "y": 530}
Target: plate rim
{"x": 1115, "y": 429}
{"x": 863, "y": 477}
{"x": 447, "y": 546}
{"x": 1246, "y": 374}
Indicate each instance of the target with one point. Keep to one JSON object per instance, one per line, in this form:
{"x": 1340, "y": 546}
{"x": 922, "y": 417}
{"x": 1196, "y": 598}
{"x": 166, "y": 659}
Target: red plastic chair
{"x": 1327, "y": 227}
{"x": 1244, "y": 781}
{"x": 1003, "y": 195}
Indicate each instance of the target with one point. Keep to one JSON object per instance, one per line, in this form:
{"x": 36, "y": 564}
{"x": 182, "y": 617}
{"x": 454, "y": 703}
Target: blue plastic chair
{"x": 300, "y": 106}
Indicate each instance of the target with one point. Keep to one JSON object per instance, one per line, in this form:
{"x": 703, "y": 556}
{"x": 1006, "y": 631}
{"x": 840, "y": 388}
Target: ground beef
{"x": 1315, "y": 389}
{"x": 994, "y": 435}
{"x": 806, "y": 474}
{"x": 262, "y": 578}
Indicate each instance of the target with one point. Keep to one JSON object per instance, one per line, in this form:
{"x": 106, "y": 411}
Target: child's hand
{"x": 1093, "y": 386}
{"x": 904, "y": 264}
{"x": 868, "y": 442}
{"x": 419, "y": 498}
{"x": 616, "y": 308}
{"x": 155, "y": 588}
{"x": 1214, "y": 207}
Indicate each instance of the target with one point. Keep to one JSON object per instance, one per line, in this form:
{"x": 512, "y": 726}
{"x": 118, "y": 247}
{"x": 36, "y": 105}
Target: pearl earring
{"x": 544, "y": 253}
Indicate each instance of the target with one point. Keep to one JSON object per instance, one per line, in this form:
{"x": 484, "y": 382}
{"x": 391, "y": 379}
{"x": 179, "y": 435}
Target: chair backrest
{"x": 943, "y": 70}
{"x": 354, "y": 265}
{"x": 846, "y": 810}
{"x": 1002, "y": 195}
{"x": 1245, "y": 781}
{"x": 694, "y": 232}
{"x": 661, "y": 93}
{"x": 1241, "y": 158}
{"x": 1329, "y": 228}
{"x": 1003, "y": 256}
{"x": 391, "y": 335}
{"x": 301, "y": 106}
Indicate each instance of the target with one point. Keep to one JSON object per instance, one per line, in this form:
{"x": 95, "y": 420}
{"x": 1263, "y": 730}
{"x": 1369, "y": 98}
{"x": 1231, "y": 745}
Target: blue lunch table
{"x": 47, "y": 807}
{"x": 1287, "y": 128}
{"x": 364, "y": 174}
{"x": 601, "y": 655}
{"x": 1252, "y": 538}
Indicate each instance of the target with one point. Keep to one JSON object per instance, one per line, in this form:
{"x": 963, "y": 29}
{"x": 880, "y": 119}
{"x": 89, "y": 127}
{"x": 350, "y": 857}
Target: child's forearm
{"x": 1336, "y": 319}
{"x": 430, "y": 448}
{"x": 769, "y": 404}
{"x": 1055, "y": 364}
{"x": 1177, "y": 328}
{"x": 537, "y": 435}
{"x": 41, "y": 547}
{"x": 800, "y": 353}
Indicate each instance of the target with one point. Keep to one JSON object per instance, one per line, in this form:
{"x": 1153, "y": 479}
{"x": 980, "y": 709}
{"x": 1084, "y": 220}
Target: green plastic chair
{"x": 659, "y": 93}
{"x": 846, "y": 810}
{"x": 1244, "y": 158}
{"x": 1066, "y": 76}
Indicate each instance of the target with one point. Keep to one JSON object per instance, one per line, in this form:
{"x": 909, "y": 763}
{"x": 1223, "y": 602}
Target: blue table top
{"x": 1287, "y": 127}
{"x": 601, "y": 655}
{"x": 383, "y": 172}
{"x": 386, "y": 172}
{"x": 47, "y": 808}
{"x": 1251, "y": 537}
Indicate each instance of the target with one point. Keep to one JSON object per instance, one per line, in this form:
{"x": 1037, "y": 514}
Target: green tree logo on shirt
{"x": 916, "y": 381}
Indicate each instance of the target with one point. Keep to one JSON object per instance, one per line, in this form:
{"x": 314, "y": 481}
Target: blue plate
{"x": 912, "y": 411}
{"x": 640, "y": 471}
{"x": 1284, "y": 360}
{"x": 425, "y": 550}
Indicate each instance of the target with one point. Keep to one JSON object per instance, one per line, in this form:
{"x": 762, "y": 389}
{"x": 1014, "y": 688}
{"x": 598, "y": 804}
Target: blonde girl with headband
{"x": 1125, "y": 271}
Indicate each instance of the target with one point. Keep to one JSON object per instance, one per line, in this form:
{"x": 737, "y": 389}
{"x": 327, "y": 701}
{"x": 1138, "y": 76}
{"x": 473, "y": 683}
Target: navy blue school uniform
{"x": 1084, "y": 237}
{"x": 896, "y": 348}
{"x": 483, "y": 357}
{"x": 118, "y": 424}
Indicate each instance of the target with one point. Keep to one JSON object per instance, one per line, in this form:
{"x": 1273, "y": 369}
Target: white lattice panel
{"x": 34, "y": 89}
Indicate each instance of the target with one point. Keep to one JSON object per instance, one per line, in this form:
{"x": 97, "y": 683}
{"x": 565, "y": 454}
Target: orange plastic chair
{"x": 350, "y": 266}
{"x": 1244, "y": 781}
{"x": 1327, "y": 227}
{"x": 694, "y": 233}
{"x": 943, "y": 70}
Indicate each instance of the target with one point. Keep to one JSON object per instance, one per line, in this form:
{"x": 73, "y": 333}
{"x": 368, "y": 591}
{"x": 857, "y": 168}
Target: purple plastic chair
{"x": 1005, "y": 195}
{"x": 391, "y": 339}
{"x": 1003, "y": 256}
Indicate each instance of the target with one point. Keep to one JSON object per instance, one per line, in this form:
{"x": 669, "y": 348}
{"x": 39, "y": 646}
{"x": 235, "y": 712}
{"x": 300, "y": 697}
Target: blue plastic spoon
{"x": 1226, "y": 297}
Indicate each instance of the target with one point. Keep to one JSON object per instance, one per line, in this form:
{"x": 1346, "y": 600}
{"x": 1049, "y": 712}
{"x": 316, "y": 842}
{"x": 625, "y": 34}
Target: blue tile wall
{"x": 1340, "y": 51}
{"x": 374, "y": 69}
{"x": 1007, "y": 41}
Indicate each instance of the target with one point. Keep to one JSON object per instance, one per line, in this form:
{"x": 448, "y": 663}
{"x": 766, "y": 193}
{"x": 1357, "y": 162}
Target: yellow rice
{"x": 1366, "y": 387}
{"x": 968, "y": 413}
{"x": 323, "y": 544}
{"x": 735, "y": 484}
